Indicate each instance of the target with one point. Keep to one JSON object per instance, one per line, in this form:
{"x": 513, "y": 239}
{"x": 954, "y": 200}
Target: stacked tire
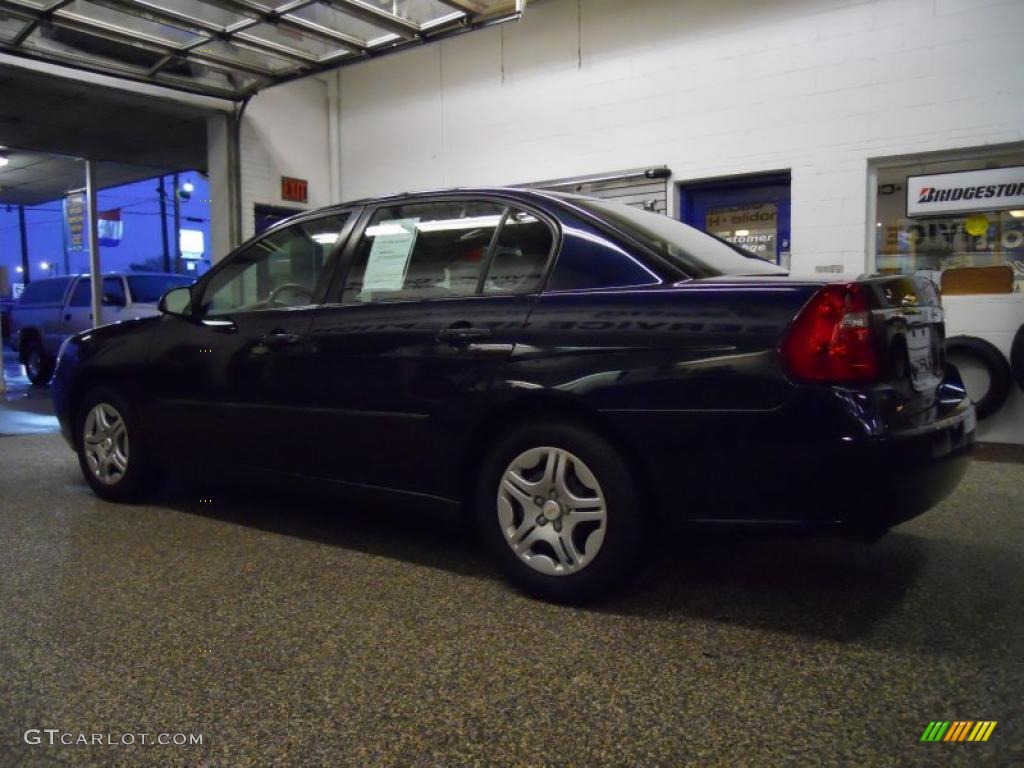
{"x": 1017, "y": 357}
{"x": 970, "y": 351}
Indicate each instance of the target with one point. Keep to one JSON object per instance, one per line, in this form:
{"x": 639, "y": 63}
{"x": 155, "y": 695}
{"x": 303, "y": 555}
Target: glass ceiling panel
{"x": 212, "y": 13}
{"x": 227, "y": 48}
{"x": 420, "y": 12}
{"x": 171, "y": 35}
{"x": 339, "y": 21}
{"x": 40, "y": 4}
{"x": 93, "y": 49}
{"x": 291, "y": 38}
{"x": 10, "y": 26}
{"x": 193, "y": 73}
{"x": 246, "y": 56}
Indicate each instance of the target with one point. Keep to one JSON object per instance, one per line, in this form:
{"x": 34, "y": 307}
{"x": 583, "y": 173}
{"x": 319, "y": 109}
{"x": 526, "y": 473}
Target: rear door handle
{"x": 464, "y": 334}
{"x": 280, "y": 339}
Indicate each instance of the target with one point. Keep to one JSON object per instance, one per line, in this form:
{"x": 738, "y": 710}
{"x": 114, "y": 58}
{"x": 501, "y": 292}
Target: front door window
{"x": 281, "y": 270}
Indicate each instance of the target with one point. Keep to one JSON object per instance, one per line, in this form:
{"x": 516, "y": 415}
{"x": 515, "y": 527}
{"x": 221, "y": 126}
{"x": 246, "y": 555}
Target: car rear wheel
{"x": 111, "y": 450}
{"x": 38, "y": 366}
{"x": 558, "y": 509}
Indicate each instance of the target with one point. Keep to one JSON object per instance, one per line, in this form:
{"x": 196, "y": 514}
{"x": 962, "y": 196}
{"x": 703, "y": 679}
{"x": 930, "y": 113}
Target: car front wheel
{"x": 111, "y": 449}
{"x": 558, "y": 508}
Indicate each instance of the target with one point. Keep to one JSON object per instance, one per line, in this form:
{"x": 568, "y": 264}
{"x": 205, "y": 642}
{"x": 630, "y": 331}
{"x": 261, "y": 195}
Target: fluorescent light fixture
{"x": 326, "y": 238}
{"x": 441, "y": 225}
{"x": 386, "y": 229}
{"x": 474, "y": 222}
{"x": 1018, "y": 214}
{"x": 742, "y": 232}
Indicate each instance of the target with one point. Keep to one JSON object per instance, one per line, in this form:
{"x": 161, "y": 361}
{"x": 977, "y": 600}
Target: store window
{"x": 960, "y": 222}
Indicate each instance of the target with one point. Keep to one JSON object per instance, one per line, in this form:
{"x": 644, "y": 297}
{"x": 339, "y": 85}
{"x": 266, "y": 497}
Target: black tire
{"x": 140, "y": 478}
{"x": 623, "y": 529}
{"x": 38, "y": 365}
{"x": 992, "y": 360}
{"x": 1017, "y": 357}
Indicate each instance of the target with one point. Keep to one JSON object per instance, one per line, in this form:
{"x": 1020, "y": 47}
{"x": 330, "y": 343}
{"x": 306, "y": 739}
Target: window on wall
{"x": 959, "y": 222}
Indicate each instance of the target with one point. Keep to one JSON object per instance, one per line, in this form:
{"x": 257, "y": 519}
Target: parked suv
{"x": 54, "y": 308}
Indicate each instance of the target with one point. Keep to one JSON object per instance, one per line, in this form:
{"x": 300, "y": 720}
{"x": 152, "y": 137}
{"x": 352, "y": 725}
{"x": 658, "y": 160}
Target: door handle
{"x": 457, "y": 335}
{"x": 279, "y": 339}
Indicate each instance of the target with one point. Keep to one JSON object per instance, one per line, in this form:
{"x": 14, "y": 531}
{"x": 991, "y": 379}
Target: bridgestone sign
{"x": 964, "y": 192}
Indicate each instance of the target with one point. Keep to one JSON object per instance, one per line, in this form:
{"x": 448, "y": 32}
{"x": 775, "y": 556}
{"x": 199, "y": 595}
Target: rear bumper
{"x": 895, "y": 478}
{"x": 765, "y": 469}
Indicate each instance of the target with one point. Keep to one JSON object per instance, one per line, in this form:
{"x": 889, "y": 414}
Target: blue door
{"x": 751, "y": 212}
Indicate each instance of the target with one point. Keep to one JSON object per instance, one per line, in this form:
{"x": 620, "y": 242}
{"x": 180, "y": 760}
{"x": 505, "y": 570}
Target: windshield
{"x": 694, "y": 252}
{"x": 147, "y": 289}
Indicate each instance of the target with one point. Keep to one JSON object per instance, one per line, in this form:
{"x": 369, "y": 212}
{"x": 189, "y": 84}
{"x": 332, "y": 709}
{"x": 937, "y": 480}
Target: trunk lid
{"x": 908, "y": 326}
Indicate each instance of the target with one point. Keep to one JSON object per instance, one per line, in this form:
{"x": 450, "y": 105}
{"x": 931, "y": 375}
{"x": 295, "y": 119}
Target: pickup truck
{"x": 52, "y": 309}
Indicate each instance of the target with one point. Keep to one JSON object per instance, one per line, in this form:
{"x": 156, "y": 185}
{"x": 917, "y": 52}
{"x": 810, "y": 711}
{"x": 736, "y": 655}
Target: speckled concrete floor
{"x": 287, "y": 633}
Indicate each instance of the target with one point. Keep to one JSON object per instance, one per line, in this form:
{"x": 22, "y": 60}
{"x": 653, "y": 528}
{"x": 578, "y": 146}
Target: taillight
{"x": 831, "y": 338}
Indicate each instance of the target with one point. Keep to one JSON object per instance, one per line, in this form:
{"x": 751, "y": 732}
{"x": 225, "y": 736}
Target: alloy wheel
{"x": 105, "y": 442}
{"x": 552, "y": 511}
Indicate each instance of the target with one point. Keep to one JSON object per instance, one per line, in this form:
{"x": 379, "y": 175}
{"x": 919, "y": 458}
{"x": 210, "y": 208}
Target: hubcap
{"x": 552, "y": 511}
{"x": 105, "y": 442}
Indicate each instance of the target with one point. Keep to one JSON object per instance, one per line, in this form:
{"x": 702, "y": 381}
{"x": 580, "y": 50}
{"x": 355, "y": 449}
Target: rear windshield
{"x": 147, "y": 289}
{"x": 694, "y": 252}
{"x": 46, "y": 291}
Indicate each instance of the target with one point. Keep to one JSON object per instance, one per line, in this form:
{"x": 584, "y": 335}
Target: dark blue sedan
{"x": 572, "y": 373}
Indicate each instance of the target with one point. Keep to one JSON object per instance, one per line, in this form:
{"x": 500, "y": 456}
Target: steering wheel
{"x": 296, "y": 287}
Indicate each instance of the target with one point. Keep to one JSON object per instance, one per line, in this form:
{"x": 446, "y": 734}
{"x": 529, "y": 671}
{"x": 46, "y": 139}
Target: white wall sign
{"x": 944, "y": 193}
{"x": 192, "y": 243}
{"x": 393, "y": 242}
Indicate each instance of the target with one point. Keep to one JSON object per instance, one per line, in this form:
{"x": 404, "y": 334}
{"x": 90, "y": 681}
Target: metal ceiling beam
{"x": 113, "y": 69}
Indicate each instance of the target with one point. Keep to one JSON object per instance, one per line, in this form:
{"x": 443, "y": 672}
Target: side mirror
{"x": 177, "y": 301}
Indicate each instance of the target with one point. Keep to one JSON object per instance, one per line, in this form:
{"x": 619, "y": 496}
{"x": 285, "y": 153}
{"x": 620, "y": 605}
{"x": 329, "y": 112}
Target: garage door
{"x": 642, "y": 187}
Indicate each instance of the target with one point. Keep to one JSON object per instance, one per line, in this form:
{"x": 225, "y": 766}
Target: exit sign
{"x": 294, "y": 190}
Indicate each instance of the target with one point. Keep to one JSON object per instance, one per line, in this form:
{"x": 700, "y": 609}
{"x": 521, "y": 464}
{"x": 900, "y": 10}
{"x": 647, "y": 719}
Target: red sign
{"x": 294, "y": 190}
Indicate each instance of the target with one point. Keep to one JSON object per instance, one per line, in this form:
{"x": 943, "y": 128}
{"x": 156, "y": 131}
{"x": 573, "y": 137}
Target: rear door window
{"x": 423, "y": 250}
{"x": 521, "y": 254}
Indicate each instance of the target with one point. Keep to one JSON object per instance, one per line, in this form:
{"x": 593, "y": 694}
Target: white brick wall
{"x": 708, "y": 88}
{"x": 285, "y": 133}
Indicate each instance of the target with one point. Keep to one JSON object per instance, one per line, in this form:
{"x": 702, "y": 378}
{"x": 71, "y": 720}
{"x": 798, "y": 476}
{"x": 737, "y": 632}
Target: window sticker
{"x": 393, "y": 242}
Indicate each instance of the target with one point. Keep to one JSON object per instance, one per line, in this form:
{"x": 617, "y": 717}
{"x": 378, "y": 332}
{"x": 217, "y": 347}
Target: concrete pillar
{"x": 218, "y": 153}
